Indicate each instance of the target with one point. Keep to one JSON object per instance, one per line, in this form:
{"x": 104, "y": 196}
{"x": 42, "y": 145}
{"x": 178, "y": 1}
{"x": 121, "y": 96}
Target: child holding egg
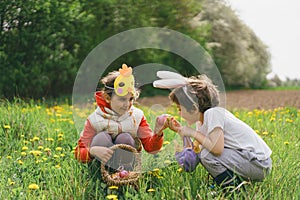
{"x": 231, "y": 150}
{"x": 117, "y": 121}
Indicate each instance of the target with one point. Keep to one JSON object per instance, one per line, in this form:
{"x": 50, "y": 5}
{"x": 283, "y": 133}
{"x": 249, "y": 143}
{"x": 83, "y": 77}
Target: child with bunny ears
{"x": 231, "y": 149}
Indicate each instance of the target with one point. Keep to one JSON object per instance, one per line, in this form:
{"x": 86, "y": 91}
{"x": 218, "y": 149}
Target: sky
{"x": 277, "y": 24}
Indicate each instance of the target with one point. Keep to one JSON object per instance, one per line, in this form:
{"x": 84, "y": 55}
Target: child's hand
{"x": 161, "y": 123}
{"x": 102, "y": 153}
{"x": 174, "y": 125}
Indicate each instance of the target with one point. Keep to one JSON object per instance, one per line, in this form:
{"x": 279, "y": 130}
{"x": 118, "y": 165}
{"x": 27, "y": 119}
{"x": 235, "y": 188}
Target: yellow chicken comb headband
{"x": 124, "y": 83}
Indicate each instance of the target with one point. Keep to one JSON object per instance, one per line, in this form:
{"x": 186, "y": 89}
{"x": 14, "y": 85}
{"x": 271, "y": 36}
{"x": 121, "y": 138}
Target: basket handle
{"x": 125, "y": 147}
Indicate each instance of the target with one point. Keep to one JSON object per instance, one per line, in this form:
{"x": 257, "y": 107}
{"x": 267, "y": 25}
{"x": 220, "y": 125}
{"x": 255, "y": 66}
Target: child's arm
{"x": 214, "y": 142}
{"x": 151, "y": 142}
{"x": 82, "y": 153}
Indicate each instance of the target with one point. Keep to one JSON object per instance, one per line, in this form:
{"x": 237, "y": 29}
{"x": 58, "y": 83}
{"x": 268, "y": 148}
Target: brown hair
{"x": 108, "y": 82}
{"x": 199, "y": 92}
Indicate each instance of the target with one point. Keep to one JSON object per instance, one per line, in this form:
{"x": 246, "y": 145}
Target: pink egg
{"x": 123, "y": 173}
{"x": 161, "y": 119}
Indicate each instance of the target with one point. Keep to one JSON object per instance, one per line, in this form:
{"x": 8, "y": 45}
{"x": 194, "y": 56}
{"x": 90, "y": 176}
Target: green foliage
{"x": 43, "y": 43}
{"x": 40, "y": 46}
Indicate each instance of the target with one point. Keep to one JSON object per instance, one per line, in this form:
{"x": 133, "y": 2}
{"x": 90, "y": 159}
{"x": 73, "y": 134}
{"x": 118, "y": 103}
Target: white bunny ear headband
{"x": 171, "y": 80}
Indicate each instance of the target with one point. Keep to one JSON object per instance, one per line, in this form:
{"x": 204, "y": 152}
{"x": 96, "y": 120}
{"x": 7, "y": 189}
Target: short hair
{"x": 200, "y": 91}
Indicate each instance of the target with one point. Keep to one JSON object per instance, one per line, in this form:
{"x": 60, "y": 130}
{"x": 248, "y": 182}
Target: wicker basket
{"x": 133, "y": 176}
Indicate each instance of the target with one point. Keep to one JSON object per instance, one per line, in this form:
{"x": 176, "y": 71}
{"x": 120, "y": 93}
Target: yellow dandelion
{"x": 47, "y": 149}
{"x": 265, "y": 133}
{"x": 71, "y": 122}
{"x": 60, "y": 135}
{"x": 113, "y": 187}
{"x": 57, "y": 166}
{"x": 166, "y": 142}
{"x": 8, "y": 157}
{"x": 58, "y": 115}
{"x": 156, "y": 170}
{"x": 23, "y": 153}
{"x": 35, "y": 138}
{"x": 44, "y": 158}
{"x": 167, "y": 162}
{"x": 272, "y": 119}
{"x": 36, "y": 152}
{"x": 286, "y": 143}
{"x": 60, "y": 139}
{"x": 58, "y": 148}
{"x": 24, "y": 148}
{"x": 33, "y": 186}
{"x": 289, "y": 120}
{"x": 7, "y": 126}
{"x": 22, "y": 136}
{"x": 40, "y": 147}
{"x": 112, "y": 196}
{"x": 62, "y": 155}
{"x": 10, "y": 182}
{"x": 151, "y": 190}
{"x": 56, "y": 156}
{"x": 25, "y": 142}
{"x": 179, "y": 170}
{"x": 287, "y": 111}
{"x": 57, "y": 129}
{"x": 50, "y": 139}
{"x": 20, "y": 162}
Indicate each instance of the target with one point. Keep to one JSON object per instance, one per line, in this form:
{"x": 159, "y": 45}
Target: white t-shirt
{"x": 237, "y": 134}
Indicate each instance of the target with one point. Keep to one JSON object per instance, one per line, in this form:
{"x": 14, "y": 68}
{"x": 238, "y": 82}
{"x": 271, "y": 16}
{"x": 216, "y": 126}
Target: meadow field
{"x": 37, "y": 143}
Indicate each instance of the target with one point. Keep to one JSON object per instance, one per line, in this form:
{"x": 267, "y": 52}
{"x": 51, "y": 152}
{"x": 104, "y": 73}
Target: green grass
{"x": 37, "y": 144}
{"x": 284, "y": 88}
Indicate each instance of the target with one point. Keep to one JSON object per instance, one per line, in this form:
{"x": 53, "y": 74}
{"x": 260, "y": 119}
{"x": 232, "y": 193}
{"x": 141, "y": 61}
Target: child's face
{"x": 121, "y": 104}
{"x": 190, "y": 117}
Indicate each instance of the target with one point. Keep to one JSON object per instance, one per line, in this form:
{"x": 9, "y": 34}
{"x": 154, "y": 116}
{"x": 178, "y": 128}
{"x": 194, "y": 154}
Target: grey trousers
{"x": 242, "y": 162}
{"x": 120, "y": 157}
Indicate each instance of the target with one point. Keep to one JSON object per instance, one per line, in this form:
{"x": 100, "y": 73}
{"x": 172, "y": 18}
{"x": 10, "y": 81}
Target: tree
{"x": 242, "y": 58}
{"x": 40, "y": 42}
